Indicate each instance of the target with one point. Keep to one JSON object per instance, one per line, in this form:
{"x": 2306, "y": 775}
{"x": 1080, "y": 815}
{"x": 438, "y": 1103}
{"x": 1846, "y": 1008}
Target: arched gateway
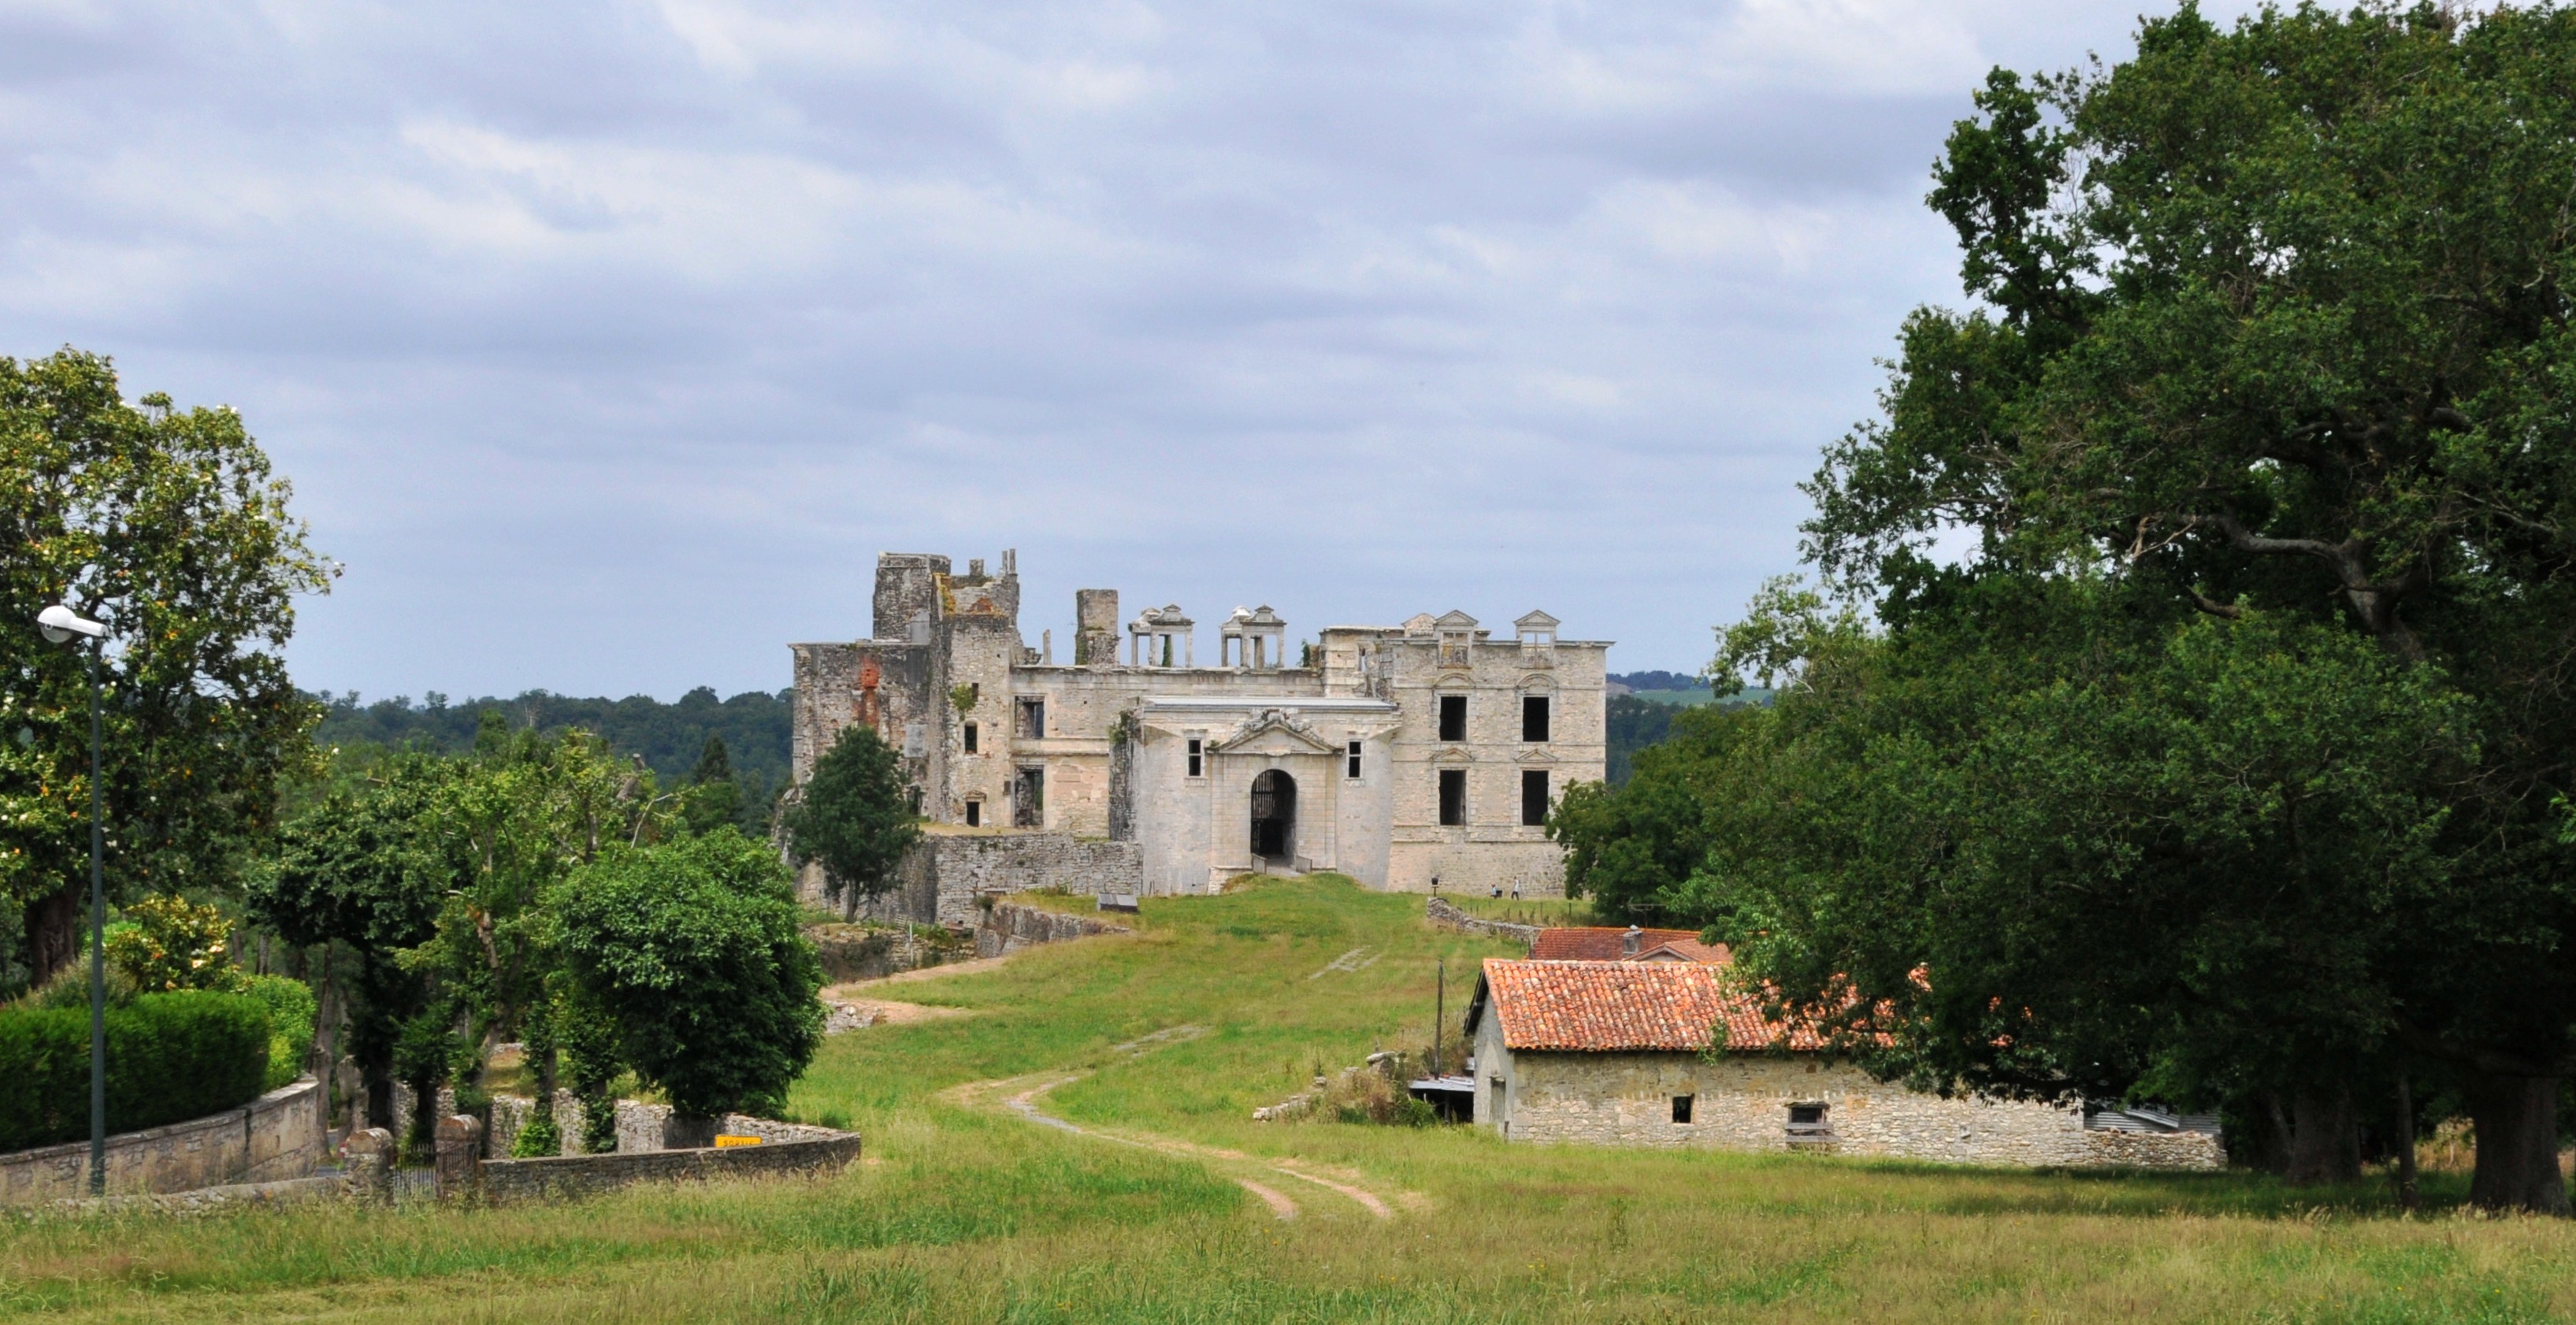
{"x": 1274, "y": 815}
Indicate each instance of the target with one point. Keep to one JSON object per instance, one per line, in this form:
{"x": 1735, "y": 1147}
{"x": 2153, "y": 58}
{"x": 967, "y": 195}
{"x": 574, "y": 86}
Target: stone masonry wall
{"x": 583, "y": 1175}
{"x": 277, "y": 1136}
{"x": 1008, "y": 928}
{"x": 1742, "y": 1103}
{"x": 941, "y": 878}
{"x": 1440, "y": 912}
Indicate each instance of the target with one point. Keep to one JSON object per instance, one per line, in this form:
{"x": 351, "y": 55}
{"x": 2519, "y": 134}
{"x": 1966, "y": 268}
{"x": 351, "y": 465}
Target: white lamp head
{"x": 60, "y": 623}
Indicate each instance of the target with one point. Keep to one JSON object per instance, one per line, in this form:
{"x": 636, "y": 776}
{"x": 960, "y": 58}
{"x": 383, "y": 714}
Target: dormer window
{"x": 1537, "y": 633}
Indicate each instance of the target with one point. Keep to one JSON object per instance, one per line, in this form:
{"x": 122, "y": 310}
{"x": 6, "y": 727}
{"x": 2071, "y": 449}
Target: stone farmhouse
{"x": 1614, "y": 1052}
{"x": 1394, "y": 754}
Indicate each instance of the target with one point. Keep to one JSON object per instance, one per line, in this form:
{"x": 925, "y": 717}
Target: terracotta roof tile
{"x": 1616, "y": 1006}
{"x": 1608, "y": 943}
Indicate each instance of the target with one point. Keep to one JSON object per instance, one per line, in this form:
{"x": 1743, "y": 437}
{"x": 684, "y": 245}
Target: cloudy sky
{"x": 608, "y": 343}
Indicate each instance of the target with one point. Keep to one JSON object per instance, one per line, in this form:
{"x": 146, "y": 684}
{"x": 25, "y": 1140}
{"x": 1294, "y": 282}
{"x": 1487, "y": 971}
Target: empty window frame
{"x": 1533, "y": 797}
{"x": 970, "y": 738}
{"x": 1453, "y": 797}
{"x": 1032, "y": 719}
{"x": 975, "y": 813}
{"x": 1808, "y": 1120}
{"x": 1198, "y": 756}
{"x": 1534, "y": 717}
{"x": 1351, "y": 753}
{"x": 1028, "y": 799}
{"x": 1453, "y": 717}
{"x": 1682, "y": 1108}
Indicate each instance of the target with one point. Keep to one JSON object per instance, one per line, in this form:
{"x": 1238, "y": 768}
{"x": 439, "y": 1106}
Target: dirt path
{"x": 1024, "y": 1101}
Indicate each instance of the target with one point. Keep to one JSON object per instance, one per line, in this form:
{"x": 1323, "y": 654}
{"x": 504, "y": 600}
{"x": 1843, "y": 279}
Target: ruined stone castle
{"x": 1393, "y": 754}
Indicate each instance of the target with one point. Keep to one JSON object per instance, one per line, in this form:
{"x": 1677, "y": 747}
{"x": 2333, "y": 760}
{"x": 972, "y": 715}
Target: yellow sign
{"x": 724, "y": 1141}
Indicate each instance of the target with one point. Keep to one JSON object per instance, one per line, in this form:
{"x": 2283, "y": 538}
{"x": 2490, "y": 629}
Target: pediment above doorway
{"x": 1275, "y": 732}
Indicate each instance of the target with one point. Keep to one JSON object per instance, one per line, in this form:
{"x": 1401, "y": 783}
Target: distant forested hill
{"x": 755, "y": 727}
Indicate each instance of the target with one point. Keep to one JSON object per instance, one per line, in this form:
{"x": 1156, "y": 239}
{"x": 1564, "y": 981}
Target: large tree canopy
{"x": 167, "y": 525}
{"x": 2226, "y": 760}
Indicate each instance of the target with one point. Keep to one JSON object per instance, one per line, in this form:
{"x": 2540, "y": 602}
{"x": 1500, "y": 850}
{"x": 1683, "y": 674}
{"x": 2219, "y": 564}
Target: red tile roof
{"x": 1616, "y": 1006}
{"x": 1608, "y": 943}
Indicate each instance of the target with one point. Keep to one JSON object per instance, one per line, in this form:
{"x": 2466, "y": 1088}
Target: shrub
{"x": 691, "y": 951}
{"x": 291, "y": 1010}
{"x": 168, "y": 943}
{"x": 170, "y": 1057}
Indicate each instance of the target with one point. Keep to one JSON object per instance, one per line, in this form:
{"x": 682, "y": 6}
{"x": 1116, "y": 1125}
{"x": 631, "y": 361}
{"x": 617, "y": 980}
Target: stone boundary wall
{"x": 940, "y": 878}
{"x": 854, "y": 952}
{"x": 1007, "y": 928}
{"x": 275, "y": 1137}
{"x": 500, "y": 1180}
{"x": 1440, "y": 912}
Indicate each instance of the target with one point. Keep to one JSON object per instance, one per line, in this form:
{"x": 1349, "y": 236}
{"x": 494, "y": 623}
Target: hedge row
{"x": 170, "y": 1057}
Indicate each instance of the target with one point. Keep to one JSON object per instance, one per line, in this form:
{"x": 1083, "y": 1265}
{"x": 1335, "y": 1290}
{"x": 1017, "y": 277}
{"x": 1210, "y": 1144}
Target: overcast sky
{"x": 607, "y": 344}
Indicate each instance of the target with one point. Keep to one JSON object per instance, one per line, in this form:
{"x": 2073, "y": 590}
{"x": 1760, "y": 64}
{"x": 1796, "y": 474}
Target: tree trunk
{"x": 53, "y": 932}
{"x": 2325, "y": 1140}
{"x": 2407, "y": 1198}
{"x": 2517, "y": 1135}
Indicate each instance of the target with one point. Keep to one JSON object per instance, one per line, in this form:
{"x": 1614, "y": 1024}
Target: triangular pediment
{"x": 1275, "y": 732}
{"x": 1454, "y": 619}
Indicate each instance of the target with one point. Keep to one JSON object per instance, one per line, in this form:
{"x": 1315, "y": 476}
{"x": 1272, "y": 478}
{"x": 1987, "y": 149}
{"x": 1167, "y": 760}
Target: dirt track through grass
{"x": 964, "y": 1210}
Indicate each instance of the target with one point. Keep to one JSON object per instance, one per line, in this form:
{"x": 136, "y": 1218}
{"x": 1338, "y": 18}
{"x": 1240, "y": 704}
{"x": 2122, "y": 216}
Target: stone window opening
{"x": 974, "y": 811}
{"x": 1808, "y": 1121}
{"x": 1534, "y": 717}
{"x": 1198, "y": 757}
{"x": 1028, "y": 799}
{"x": 1453, "y": 797}
{"x": 970, "y": 738}
{"x": 1032, "y": 719}
{"x": 1453, "y": 717}
{"x": 1353, "y": 755}
{"x": 1682, "y": 1108}
{"x": 1533, "y": 797}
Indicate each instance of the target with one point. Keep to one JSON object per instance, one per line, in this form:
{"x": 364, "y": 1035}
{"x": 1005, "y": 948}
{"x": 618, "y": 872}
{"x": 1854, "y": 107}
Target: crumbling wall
{"x": 1441, "y": 913}
{"x": 1007, "y": 928}
{"x": 942, "y": 876}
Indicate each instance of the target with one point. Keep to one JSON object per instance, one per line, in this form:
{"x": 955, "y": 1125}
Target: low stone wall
{"x": 1009, "y": 927}
{"x": 941, "y": 877}
{"x": 501, "y": 1180}
{"x": 275, "y": 1137}
{"x": 865, "y": 952}
{"x": 1440, "y": 912}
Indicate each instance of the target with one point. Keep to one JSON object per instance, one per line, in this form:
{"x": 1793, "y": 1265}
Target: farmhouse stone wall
{"x": 1007, "y": 928}
{"x": 1742, "y": 1103}
{"x": 275, "y": 1137}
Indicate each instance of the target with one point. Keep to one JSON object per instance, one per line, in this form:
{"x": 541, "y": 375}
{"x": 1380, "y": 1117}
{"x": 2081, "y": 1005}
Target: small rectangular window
{"x": 1354, "y": 770}
{"x": 974, "y": 814}
{"x": 1453, "y": 796}
{"x": 1533, "y": 797}
{"x": 1198, "y": 756}
{"x": 1032, "y": 719}
{"x": 1682, "y": 1108}
{"x": 970, "y": 738}
{"x": 1808, "y": 1120}
{"x": 1533, "y": 717}
{"x": 1453, "y": 717}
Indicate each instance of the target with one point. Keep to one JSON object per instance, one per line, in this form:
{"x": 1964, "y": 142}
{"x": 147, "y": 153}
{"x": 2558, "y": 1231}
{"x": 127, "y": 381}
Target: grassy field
{"x": 1158, "y": 1046}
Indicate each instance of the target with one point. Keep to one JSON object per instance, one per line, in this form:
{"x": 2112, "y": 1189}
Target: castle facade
{"x": 1394, "y": 754}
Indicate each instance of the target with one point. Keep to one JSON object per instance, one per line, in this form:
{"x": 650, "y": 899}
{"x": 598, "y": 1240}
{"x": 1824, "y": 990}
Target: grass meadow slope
{"x": 1077, "y": 1147}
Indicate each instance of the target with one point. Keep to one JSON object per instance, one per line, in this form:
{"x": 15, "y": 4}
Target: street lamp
{"x": 60, "y": 624}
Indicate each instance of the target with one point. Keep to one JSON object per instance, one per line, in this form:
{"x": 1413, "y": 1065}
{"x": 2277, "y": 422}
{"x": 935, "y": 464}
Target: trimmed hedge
{"x": 291, "y": 1009}
{"x": 170, "y": 1057}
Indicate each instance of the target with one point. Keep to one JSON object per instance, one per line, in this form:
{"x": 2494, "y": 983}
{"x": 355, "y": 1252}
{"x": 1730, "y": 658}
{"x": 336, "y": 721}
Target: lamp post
{"x": 60, "y": 624}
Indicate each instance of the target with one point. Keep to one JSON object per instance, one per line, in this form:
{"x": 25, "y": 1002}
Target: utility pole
{"x": 1439, "y": 1014}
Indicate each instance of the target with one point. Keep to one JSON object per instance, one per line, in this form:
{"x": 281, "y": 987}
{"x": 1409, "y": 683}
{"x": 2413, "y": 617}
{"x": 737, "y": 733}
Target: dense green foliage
{"x": 1630, "y": 725}
{"x": 693, "y": 953}
{"x": 754, "y": 727}
{"x": 166, "y": 525}
{"x": 291, "y": 1009}
{"x": 170, "y": 1057}
{"x": 2226, "y": 763}
{"x": 855, "y": 816}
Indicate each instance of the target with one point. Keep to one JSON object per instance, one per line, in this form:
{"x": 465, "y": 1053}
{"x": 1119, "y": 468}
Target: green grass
{"x": 965, "y": 1212}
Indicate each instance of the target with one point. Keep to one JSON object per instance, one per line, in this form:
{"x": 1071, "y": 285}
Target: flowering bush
{"x": 169, "y": 943}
